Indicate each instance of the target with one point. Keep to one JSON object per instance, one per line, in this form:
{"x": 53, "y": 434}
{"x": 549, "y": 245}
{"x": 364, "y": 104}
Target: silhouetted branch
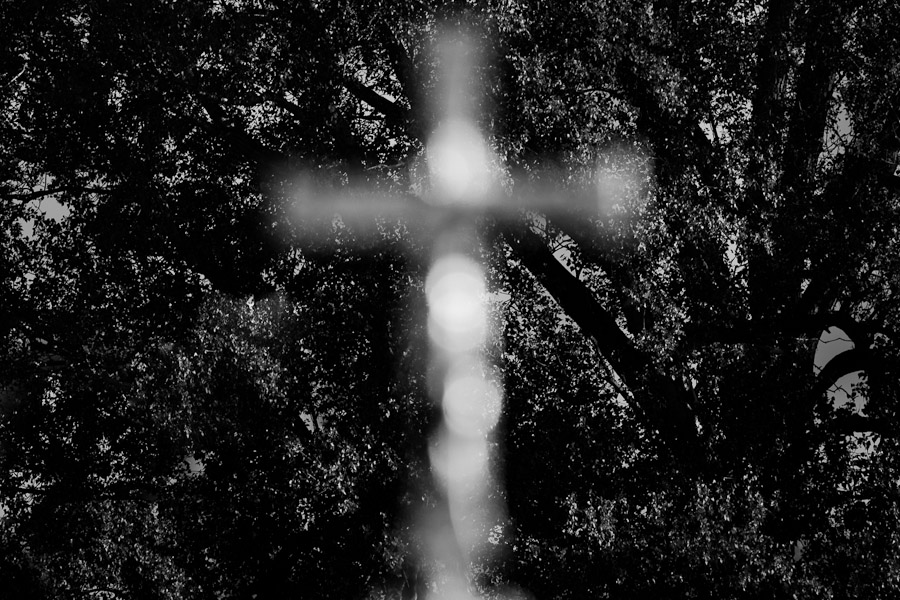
{"x": 391, "y": 110}
{"x": 662, "y": 399}
{"x": 38, "y": 194}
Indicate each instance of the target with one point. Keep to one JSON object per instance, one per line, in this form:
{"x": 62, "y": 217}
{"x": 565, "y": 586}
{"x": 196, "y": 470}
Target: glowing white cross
{"x": 462, "y": 183}
{"x": 459, "y": 162}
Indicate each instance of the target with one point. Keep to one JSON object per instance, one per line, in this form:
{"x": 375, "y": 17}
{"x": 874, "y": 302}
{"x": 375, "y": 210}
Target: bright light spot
{"x": 455, "y": 588}
{"x": 832, "y": 342}
{"x": 621, "y": 174}
{"x": 471, "y": 403}
{"x": 461, "y": 463}
{"x": 455, "y": 289}
{"x": 53, "y": 210}
{"x": 845, "y": 394}
{"x": 611, "y": 189}
{"x": 459, "y": 162}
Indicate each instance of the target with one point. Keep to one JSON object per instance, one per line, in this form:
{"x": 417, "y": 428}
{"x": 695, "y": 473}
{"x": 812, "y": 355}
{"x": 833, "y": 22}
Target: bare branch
{"x": 407, "y": 75}
{"x": 845, "y": 363}
{"x": 19, "y": 74}
{"x": 662, "y": 399}
{"x": 394, "y": 113}
{"x": 35, "y": 195}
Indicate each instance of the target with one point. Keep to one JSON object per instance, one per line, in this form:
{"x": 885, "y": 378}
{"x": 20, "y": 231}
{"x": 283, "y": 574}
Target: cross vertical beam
{"x": 458, "y": 328}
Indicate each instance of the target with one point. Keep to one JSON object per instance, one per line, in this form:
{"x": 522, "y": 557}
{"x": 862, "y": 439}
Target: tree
{"x": 658, "y": 353}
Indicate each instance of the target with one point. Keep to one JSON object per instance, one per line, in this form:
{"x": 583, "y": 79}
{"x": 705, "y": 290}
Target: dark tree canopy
{"x": 203, "y": 397}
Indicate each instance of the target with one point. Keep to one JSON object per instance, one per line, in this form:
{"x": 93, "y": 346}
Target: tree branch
{"x": 393, "y": 112}
{"x": 814, "y": 93}
{"x": 849, "y": 361}
{"x": 407, "y": 75}
{"x": 771, "y": 68}
{"x": 858, "y": 423}
{"x": 748, "y": 332}
{"x": 665, "y": 402}
{"x": 599, "y": 251}
{"x": 29, "y": 196}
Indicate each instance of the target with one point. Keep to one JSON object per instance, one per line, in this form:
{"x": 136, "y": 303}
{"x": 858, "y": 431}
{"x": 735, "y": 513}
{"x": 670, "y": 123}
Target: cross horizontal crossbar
{"x": 315, "y": 212}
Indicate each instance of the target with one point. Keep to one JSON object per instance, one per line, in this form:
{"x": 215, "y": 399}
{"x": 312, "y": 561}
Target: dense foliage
{"x": 201, "y": 397}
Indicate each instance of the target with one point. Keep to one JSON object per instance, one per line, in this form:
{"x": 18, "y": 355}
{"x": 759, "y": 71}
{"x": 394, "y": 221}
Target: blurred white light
{"x": 461, "y": 463}
{"x": 611, "y": 189}
{"x": 622, "y": 177}
{"x": 455, "y": 588}
{"x": 471, "y": 403}
{"x": 455, "y": 289}
{"x": 459, "y": 162}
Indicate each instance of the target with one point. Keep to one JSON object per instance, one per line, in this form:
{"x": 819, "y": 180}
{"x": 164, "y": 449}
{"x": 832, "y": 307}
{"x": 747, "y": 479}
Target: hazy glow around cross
{"x": 462, "y": 173}
{"x": 461, "y": 463}
{"x": 621, "y": 176}
{"x": 611, "y": 189}
{"x": 455, "y": 290}
{"x": 459, "y": 162}
{"x": 471, "y": 402}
